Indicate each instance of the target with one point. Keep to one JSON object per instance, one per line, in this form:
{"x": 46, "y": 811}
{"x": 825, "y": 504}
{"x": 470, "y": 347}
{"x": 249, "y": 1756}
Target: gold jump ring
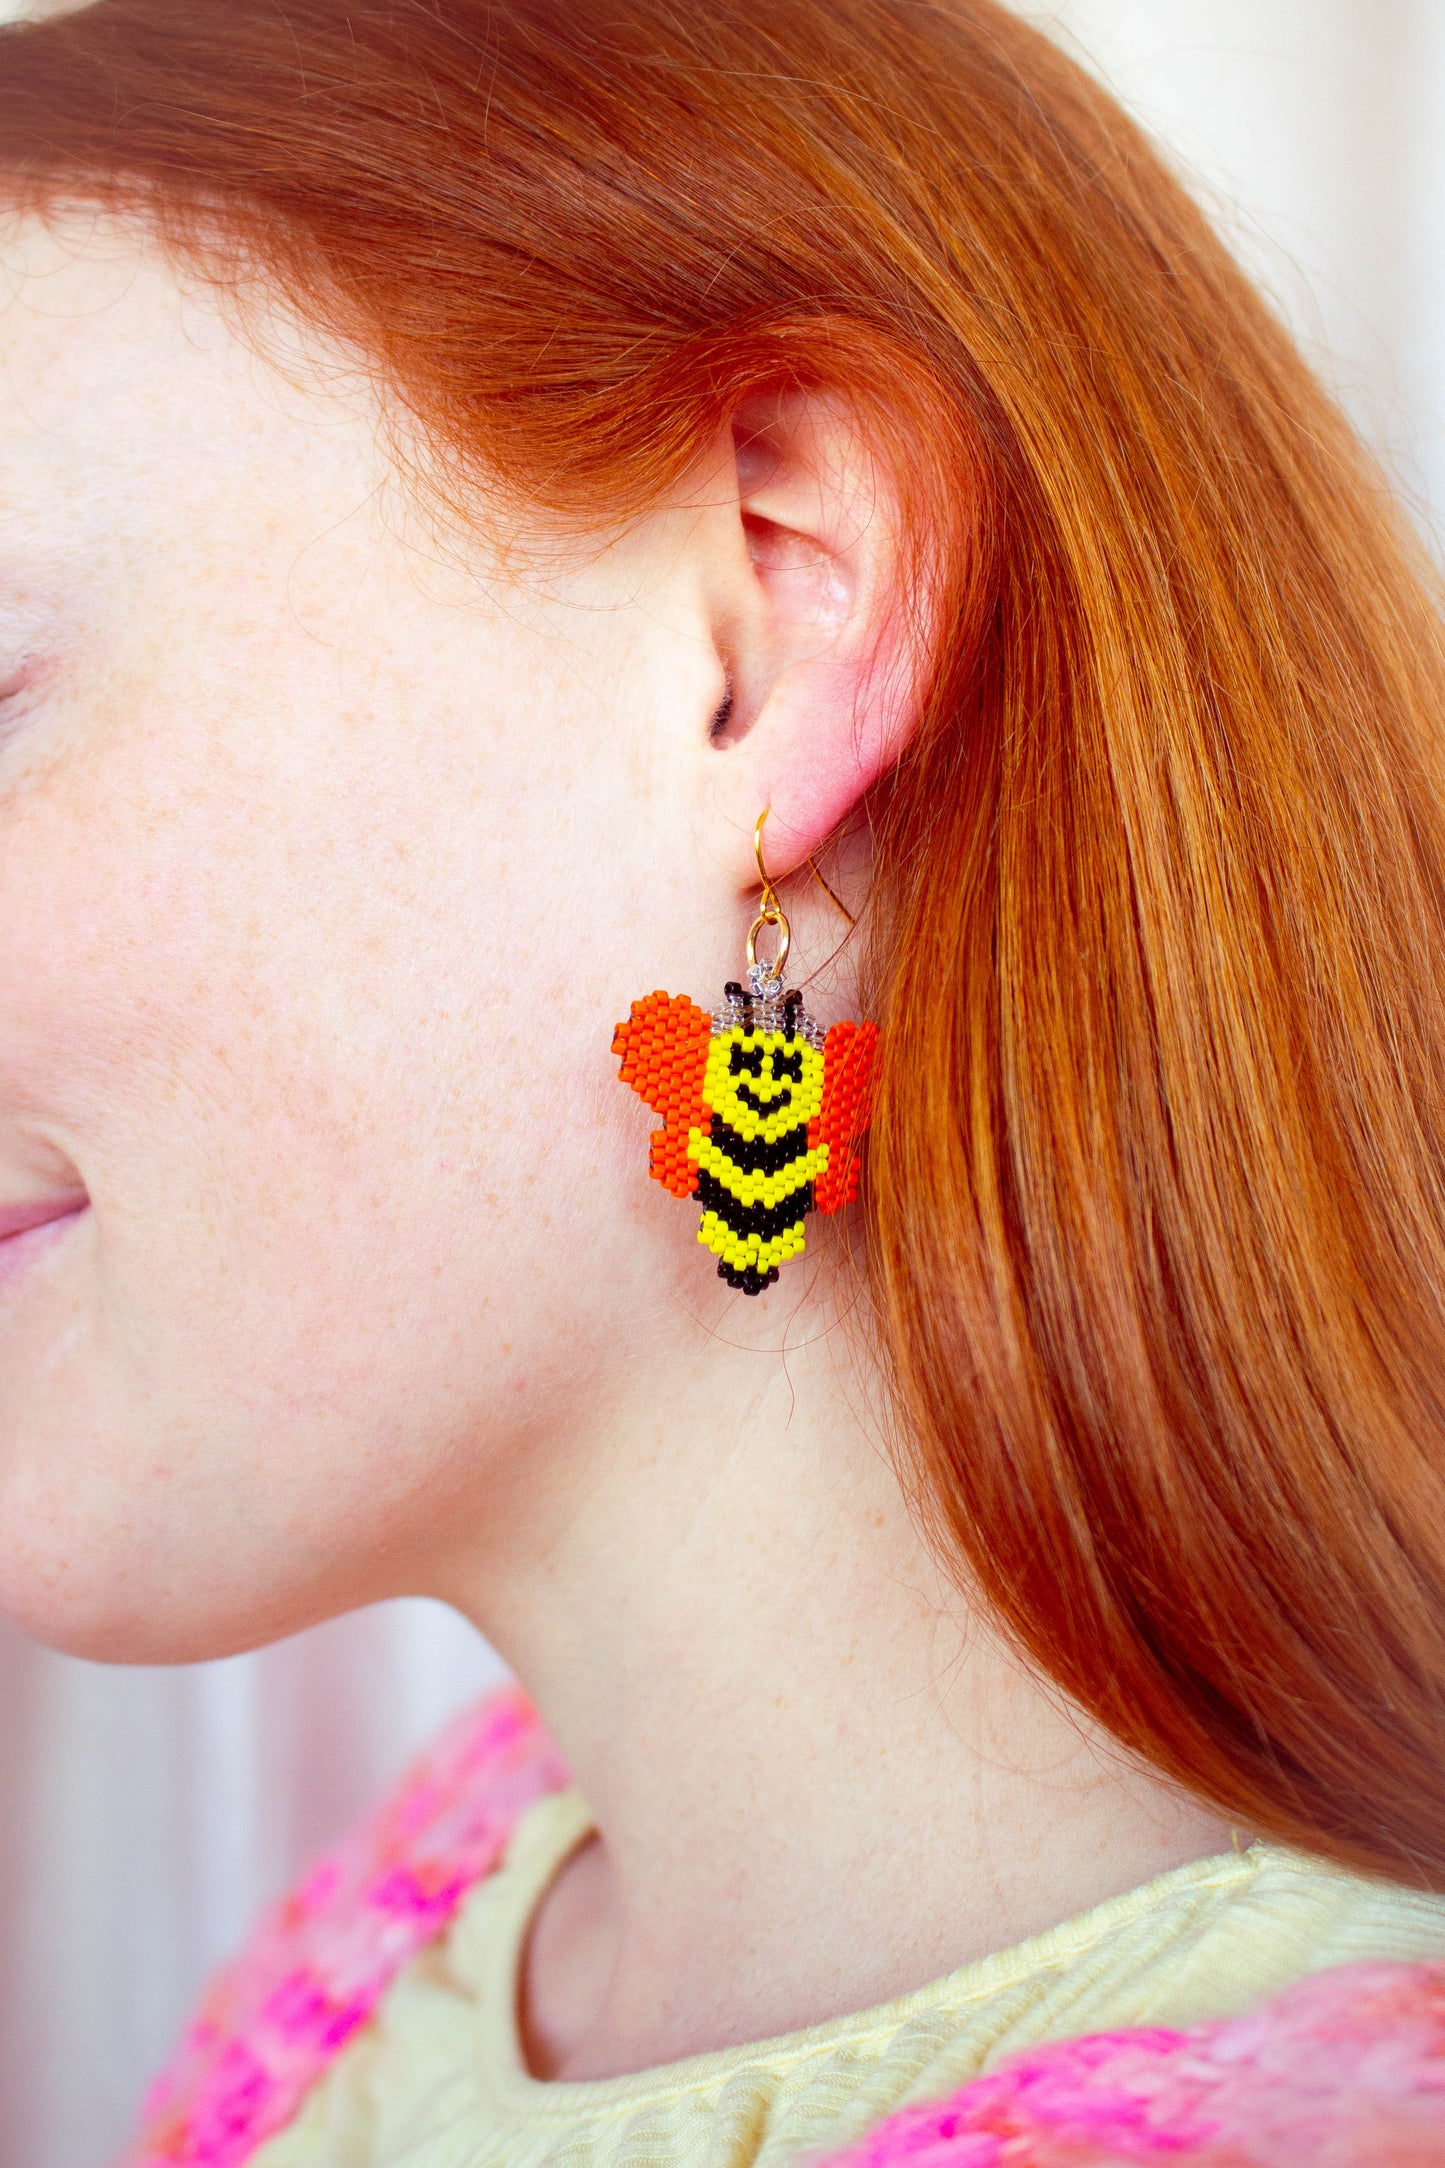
{"x": 771, "y": 914}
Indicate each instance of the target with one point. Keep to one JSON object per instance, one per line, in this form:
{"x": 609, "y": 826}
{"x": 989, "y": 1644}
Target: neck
{"x": 818, "y": 1778}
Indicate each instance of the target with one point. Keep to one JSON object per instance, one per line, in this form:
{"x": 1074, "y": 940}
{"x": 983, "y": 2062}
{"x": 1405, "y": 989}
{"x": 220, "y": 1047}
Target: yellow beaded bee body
{"x": 761, "y": 1116}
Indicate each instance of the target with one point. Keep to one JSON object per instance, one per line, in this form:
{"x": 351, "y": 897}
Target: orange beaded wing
{"x": 848, "y": 1054}
{"x": 664, "y": 1047}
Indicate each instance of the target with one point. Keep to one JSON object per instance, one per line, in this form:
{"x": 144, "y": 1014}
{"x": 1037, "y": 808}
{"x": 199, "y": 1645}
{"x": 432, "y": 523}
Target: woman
{"x": 485, "y": 497}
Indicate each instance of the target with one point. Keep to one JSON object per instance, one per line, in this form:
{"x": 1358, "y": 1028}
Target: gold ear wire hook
{"x": 832, "y": 894}
{"x": 770, "y": 912}
{"x": 770, "y": 894}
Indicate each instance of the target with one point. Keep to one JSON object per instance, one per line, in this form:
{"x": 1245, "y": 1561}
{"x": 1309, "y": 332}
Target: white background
{"x": 144, "y": 1815}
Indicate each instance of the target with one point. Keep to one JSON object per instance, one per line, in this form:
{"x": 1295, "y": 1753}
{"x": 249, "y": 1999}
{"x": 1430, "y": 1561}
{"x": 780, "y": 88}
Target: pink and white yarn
{"x": 1344, "y": 2070}
{"x": 320, "y": 1962}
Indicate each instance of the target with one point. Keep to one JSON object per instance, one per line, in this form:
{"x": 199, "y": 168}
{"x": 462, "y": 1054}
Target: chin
{"x": 89, "y": 1587}
{"x": 104, "y": 1617}
{"x": 108, "y": 1626}
{"x": 104, "y": 1624}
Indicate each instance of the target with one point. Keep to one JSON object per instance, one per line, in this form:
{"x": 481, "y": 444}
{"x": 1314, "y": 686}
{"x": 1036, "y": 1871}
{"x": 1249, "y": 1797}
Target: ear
{"x": 814, "y": 623}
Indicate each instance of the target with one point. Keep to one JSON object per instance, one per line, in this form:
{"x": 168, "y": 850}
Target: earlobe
{"x": 821, "y": 647}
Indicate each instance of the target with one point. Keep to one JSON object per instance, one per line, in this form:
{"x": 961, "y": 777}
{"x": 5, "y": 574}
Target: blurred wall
{"x": 1313, "y": 130}
{"x": 144, "y": 1815}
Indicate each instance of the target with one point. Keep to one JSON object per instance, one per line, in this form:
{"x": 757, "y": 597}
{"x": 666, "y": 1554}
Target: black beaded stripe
{"x": 754, "y": 1155}
{"x": 763, "y": 1220}
{"x": 749, "y": 1279}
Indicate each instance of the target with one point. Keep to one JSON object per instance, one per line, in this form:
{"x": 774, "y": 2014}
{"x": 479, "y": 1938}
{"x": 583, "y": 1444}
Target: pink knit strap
{"x": 1346, "y": 2069}
{"x": 322, "y": 1960}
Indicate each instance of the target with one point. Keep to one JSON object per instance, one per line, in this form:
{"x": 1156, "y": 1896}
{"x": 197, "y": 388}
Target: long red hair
{"x": 1157, "y": 1185}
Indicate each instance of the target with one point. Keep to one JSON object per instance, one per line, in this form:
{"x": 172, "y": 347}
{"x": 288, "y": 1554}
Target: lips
{"x": 22, "y": 1219}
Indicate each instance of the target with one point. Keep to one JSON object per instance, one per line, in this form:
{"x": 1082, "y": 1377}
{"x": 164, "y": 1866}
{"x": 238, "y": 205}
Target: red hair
{"x": 1156, "y": 1201}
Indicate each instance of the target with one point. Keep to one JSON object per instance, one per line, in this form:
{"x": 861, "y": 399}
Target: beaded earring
{"x": 762, "y": 1111}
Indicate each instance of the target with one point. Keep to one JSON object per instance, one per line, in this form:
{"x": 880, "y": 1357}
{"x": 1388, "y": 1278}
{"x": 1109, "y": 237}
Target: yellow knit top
{"x": 437, "y": 2080}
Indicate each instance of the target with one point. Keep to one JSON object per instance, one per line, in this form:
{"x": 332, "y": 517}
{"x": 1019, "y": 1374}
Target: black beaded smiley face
{"x": 777, "y": 1068}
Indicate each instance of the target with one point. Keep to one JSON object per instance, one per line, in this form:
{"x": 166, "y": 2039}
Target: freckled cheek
{"x": 126, "y": 1039}
{"x": 101, "y": 983}
{"x": 256, "y": 1064}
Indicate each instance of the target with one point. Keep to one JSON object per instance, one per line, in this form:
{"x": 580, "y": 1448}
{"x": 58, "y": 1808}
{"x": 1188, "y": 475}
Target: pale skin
{"x": 334, "y": 838}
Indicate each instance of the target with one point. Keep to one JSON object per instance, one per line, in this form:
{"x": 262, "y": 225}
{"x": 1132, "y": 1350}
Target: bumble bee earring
{"x": 762, "y": 1112}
